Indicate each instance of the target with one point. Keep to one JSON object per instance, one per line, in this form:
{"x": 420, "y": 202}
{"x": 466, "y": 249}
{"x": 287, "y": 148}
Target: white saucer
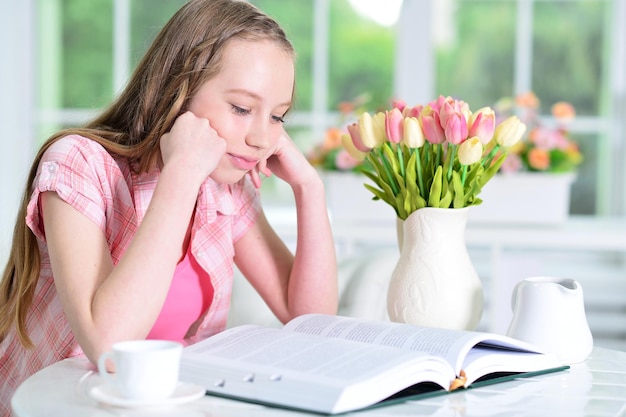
{"x": 184, "y": 392}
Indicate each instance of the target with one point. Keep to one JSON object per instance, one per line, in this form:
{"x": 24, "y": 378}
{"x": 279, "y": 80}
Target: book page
{"x": 305, "y": 371}
{"x": 482, "y": 361}
{"x": 452, "y": 345}
{"x": 276, "y": 349}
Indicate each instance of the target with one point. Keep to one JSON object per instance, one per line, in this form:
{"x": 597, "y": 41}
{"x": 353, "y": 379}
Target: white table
{"x": 596, "y": 387}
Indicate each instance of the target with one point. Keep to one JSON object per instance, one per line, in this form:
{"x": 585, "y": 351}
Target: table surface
{"x": 596, "y": 387}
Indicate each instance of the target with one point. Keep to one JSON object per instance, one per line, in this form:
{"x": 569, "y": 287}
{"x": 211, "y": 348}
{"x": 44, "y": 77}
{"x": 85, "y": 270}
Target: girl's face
{"x": 245, "y": 103}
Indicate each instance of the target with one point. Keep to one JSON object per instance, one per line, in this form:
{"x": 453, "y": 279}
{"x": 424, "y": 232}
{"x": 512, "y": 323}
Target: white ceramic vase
{"x": 434, "y": 282}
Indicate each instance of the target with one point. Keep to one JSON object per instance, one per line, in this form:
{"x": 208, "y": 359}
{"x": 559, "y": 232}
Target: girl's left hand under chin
{"x": 287, "y": 162}
{"x": 256, "y": 172}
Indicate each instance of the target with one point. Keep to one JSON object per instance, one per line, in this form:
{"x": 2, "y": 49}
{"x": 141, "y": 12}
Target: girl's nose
{"x": 259, "y": 135}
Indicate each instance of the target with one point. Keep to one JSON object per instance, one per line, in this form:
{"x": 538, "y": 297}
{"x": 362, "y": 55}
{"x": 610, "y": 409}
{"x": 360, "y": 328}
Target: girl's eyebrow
{"x": 254, "y": 95}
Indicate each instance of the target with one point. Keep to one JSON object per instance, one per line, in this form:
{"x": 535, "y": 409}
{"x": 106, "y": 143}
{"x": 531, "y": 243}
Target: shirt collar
{"x": 215, "y": 198}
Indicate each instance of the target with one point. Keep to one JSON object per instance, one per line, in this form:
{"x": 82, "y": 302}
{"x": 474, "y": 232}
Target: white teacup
{"x": 144, "y": 369}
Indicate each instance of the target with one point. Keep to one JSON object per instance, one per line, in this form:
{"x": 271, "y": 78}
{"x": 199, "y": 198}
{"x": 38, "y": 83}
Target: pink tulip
{"x": 431, "y": 126}
{"x": 355, "y": 135}
{"x": 450, "y": 107}
{"x": 438, "y": 104}
{"x": 455, "y": 128}
{"x": 482, "y": 125}
{"x": 393, "y": 125}
{"x": 399, "y": 104}
{"x": 412, "y": 111}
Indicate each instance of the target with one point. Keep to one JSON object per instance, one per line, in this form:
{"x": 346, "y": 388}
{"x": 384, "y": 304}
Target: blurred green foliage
{"x": 87, "y": 53}
{"x": 475, "y": 60}
{"x": 475, "y": 63}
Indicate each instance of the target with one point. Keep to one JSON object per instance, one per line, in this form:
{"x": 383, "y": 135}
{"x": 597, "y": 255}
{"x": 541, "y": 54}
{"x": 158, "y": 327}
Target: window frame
{"x": 414, "y": 76}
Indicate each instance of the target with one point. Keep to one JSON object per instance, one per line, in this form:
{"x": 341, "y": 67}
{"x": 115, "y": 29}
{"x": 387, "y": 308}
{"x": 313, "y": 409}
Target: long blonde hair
{"x": 186, "y": 53}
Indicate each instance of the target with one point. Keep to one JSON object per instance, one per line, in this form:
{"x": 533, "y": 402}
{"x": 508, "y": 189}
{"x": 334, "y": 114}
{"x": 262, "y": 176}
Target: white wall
{"x": 17, "y": 92}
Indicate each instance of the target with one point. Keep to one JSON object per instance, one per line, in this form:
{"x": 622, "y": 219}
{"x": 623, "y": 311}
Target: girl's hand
{"x": 194, "y": 145}
{"x": 287, "y": 162}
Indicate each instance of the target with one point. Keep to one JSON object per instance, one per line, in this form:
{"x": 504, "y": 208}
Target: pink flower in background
{"x": 344, "y": 161}
{"x": 512, "y": 163}
{"x": 547, "y": 146}
{"x": 548, "y": 139}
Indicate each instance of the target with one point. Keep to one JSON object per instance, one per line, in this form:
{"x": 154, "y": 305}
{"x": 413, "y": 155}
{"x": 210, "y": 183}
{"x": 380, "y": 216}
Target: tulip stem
{"x": 400, "y": 160}
{"x": 463, "y": 175}
{"x": 385, "y": 164}
{"x": 453, "y": 150}
{"x": 420, "y": 179}
{"x": 438, "y": 158}
{"x": 493, "y": 152}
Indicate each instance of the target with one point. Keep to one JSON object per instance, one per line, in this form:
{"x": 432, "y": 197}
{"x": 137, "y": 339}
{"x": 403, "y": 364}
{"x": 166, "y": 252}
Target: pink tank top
{"x": 189, "y": 297}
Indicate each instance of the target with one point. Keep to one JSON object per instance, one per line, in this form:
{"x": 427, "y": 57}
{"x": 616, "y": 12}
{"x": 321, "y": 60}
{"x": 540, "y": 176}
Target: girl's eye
{"x": 240, "y": 110}
{"x": 278, "y": 119}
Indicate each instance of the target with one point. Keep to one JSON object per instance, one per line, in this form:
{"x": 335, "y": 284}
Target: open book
{"x": 332, "y": 364}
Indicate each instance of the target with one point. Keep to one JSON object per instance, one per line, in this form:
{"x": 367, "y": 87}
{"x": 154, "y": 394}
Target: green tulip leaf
{"x": 446, "y": 200}
{"x": 435, "y": 189}
{"x": 459, "y": 195}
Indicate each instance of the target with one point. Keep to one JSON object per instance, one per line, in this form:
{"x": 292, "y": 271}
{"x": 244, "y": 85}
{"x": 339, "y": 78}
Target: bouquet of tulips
{"x": 438, "y": 155}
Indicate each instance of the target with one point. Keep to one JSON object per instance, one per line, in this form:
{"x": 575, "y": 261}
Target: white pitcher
{"x": 549, "y": 312}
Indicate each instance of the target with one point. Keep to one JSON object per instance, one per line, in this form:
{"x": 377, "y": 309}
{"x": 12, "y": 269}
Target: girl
{"x": 129, "y": 227}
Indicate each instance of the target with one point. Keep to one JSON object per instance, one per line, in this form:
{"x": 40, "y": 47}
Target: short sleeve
{"x": 75, "y": 168}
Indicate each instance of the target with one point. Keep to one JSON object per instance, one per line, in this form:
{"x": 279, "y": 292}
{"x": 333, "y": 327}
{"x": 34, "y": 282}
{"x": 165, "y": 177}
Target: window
{"x": 562, "y": 50}
{"x": 479, "y": 50}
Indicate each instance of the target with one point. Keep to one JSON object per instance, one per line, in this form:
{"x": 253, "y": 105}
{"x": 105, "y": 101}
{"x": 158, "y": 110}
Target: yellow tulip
{"x": 470, "y": 151}
{"x": 413, "y": 135}
{"x": 348, "y": 145}
{"x": 509, "y": 132}
{"x": 380, "y": 129}
{"x": 366, "y": 130}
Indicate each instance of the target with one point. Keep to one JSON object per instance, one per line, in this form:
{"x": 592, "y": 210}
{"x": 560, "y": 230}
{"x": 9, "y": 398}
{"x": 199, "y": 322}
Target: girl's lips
{"x": 243, "y": 163}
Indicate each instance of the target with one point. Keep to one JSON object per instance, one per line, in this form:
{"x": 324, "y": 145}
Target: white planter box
{"x": 525, "y": 198}
{"x": 350, "y": 202}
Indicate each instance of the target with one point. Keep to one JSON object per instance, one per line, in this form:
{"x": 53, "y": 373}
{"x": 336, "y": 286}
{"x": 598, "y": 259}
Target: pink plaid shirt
{"x": 106, "y": 190}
